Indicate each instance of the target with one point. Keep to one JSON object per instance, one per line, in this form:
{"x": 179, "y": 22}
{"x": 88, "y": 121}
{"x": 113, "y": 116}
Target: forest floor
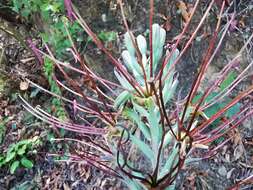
{"x": 232, "y": 163}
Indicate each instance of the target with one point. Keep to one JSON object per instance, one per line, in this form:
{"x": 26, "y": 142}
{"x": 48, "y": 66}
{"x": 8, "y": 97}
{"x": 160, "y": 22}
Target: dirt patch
{"x": 234, "y": 161}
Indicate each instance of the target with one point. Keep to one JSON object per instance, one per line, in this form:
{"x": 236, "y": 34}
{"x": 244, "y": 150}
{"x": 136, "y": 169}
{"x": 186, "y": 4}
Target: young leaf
{"x": 22, "y": 150}
{"x": 14, "y": 166}
{"x": 10, "y": 156}
{"x": 142, "y": 44}
{"x": 26, "y": 163}
{"x": 158, "y": 40}
{"x": 128, "y": 43}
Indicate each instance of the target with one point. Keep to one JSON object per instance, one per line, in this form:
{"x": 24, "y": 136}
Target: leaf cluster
{"x": 18, "y": 153}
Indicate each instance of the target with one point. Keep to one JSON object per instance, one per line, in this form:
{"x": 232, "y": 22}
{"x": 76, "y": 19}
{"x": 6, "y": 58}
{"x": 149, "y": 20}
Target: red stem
{"x": 151, "y": 36}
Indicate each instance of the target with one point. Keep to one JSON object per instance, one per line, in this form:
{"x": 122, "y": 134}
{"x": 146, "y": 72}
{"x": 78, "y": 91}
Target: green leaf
{"x": 228, "y": 80}
{"x": 169, "y": 90}
{"x": 22, "y": 150}
{"x": 14, "y": 166}
{"x": 142, "y": 44}
{"x": 169, "y": 164}
{"x": 170, "y": 62}
{"x": 132, "y": 65}
{"x": 158, "y": 40}
{"x": 144, "y": 148}
{"x": 128, "y": 43}
{"x": 16, "y": 5}
{"x": 196, "y": 98}
{"x": 2, "y": 160}
{"x": 233, "y": 110}
{"x": 10, "y": 156}
{"x": 26, "y": 163}
{"x": 153, "y": 120}
{"x": 107, "y": 36}
{"x": 123, "y": 81}
{"x": 132, "y": 115}
{"x": 169, "y": 136}
{"x": 122, "y": 99}
{"x": 142, "y": 111}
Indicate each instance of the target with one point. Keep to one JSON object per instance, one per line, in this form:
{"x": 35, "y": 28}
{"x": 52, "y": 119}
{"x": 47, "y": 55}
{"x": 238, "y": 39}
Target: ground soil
{"x": 232, "y": 163}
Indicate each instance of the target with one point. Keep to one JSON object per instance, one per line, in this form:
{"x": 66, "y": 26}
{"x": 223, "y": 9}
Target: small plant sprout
{"x": 148, "y": 132}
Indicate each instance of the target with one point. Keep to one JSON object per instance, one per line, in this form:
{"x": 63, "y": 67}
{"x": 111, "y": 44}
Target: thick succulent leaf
{"x": 142, "y": 111}
{"x": 169, "y": 136}
{"x": 135, "y": 117}
{"x": 131, "y": 63}
{"x": 142, "y": 44}
{"x": 127, "y": 59}
{"x": 158, "y": 40}
{"x": 144, "y": 148}
{"x": 169, "y": 90}
{"x": 153, "y": 120}
{"x": 170, "y": 62}
{"x": 153, "y": 117}
{"x": 129, "y": 45}
{"x": 170, "y": 162}
{"x": 123, "y": 81}
{"x": 122, "y": 99}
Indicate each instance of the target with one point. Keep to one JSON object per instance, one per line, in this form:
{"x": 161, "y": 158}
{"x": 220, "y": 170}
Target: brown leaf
{"x": 229, "y": 174}
{"x": 23, "y": 85}
{"x": 167, "y": 22}
{"x": 66, "y": 187}
{"x": 238, "y": 152}
{"x": 183, "y": 9}
{"x": 219, "y": 2}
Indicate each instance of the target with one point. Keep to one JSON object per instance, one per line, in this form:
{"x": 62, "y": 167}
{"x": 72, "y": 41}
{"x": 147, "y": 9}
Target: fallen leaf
{"x": 230, "y": 173}
{"x": 227, "y": 157}
{"x": 183, "y": 10}
{"x": 167, "y": 22}
{"x": 242, "y": 22}
{"x": 66, "y": 187}
{"x": 23, "y": 85}
{"x": 238, "y": 152}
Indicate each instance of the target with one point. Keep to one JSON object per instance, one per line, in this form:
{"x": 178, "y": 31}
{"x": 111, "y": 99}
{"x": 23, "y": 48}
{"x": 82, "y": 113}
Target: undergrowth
{"x": 146, "y": 132}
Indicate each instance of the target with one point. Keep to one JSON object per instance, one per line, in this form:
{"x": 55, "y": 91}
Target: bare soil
{"x": 232, "y": 163}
